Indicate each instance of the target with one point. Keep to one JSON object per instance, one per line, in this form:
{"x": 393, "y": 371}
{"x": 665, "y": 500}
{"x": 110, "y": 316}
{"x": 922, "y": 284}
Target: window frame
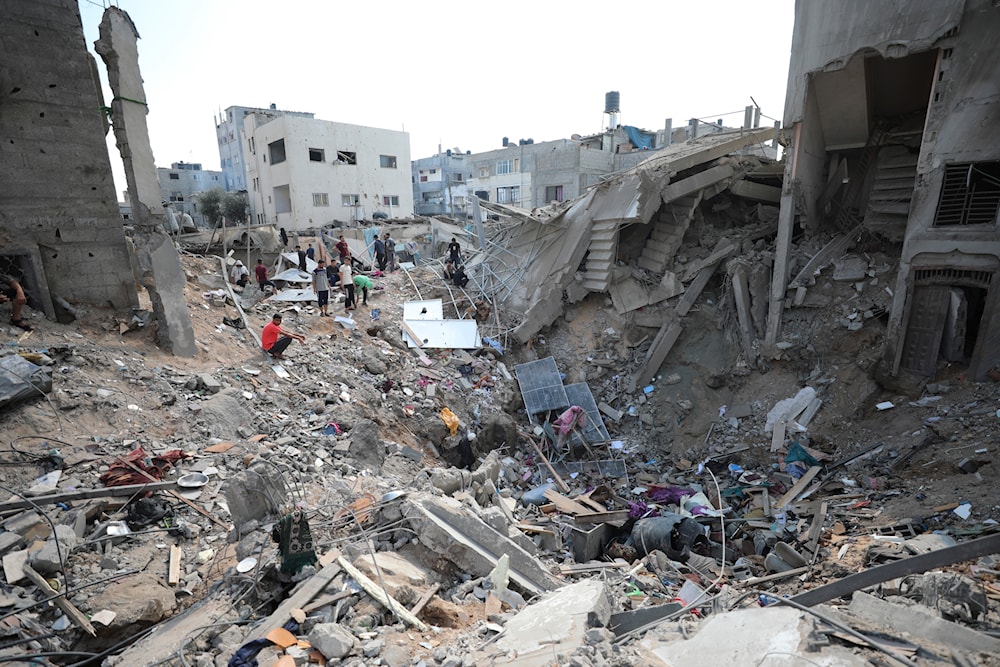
{"x": 387, "y": 162}
{"x": 321, "y": 199}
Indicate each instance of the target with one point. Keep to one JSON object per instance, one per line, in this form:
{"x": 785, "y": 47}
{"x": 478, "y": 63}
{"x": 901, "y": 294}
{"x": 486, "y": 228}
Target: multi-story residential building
{"x": 305, "y": 173}
{"x": 527, "y": 174}
{"x": 232, "y": 144}
{"x": 440, "y": 184}
{"x": 895, "y": 135}
{"x": 182, "y": 182}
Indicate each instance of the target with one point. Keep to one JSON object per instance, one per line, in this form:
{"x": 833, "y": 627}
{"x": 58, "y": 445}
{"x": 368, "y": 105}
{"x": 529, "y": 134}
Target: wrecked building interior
{"x": 720, "y": 408}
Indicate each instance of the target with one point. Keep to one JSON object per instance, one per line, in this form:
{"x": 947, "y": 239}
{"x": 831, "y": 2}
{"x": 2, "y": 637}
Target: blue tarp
{"x": 640, "y": 138}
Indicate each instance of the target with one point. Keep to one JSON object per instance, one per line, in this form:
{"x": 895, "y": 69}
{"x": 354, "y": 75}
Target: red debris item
{"x": 122, "y": 474}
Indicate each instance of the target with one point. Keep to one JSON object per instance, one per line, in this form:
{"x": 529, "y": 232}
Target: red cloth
{"x": 121, "y": 474}
{"x": 269, "y": 336}
{"x": 261, "y": 272}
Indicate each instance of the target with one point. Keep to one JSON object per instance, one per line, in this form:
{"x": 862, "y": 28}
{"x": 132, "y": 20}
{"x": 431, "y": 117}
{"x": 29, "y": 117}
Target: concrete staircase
{"x": 601, "y": 255}
{"x": 671, "y": 224}
{"x": 889, "y": 199}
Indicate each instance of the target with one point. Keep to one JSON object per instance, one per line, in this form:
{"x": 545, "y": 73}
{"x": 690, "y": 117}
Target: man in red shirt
{"x": 274, "y": 339}
{"x": 343, "y": 249}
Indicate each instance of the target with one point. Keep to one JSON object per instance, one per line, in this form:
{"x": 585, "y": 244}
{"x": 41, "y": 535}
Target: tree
{"x": 215, "y": 204}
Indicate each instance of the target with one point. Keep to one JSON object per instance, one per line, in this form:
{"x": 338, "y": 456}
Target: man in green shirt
{"x": 364, "y": 283}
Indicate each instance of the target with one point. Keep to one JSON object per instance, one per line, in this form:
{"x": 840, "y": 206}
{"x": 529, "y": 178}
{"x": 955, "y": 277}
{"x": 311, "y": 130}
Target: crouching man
{"x": 275, "y": 340}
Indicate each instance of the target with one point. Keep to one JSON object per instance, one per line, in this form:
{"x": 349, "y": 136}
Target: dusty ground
{"x": 114, "y": 391}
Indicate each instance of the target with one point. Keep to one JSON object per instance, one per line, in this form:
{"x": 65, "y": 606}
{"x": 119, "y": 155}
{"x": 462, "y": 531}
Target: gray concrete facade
{"x": 59, "y": 214}
{"x": 181, "y": 181}
{"x": 866, "y": 79}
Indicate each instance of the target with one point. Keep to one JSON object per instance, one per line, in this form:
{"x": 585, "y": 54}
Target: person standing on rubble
{"x": 343, "y": 249}
{"x": 275, "y": 340}
{"x": 322, "y": 288}
{"x": 390, "y": 252}
{"x": 455, "y": 252}
{"x": 261, "y": 272}
{"x": 378, "y": 246}
{"x": 302, "y": 258}
{"x": 311, "y": 252}
{"x": 346, "y": 284}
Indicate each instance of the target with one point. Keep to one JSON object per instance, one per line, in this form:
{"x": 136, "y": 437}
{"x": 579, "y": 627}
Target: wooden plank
{"x": 303, "y": 593}
{"x": 603, "y": 517}
{"x": 537, "y": 530}
{"x": 552, "y": 471}
{"x": 324, "y": 600}
{"x": 424, "y": 599}
{"x": 566, "y": 505}
{"x": 815, "y": 530}
{"x": 778, "y": 436}
{"x": 381, "y": 596}
{"x": 72, "y": 613}
{"x": 105, "y": 492}
{"x": 412, "y": 334}
{"x": 794, "y": 492}
{"x": 174, "y": 565}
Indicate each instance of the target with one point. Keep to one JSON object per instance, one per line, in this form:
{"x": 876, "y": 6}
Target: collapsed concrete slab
{"x": 555, "y": 625}
{"x": 777, "y": 635}
{"x": 451, "y": 530}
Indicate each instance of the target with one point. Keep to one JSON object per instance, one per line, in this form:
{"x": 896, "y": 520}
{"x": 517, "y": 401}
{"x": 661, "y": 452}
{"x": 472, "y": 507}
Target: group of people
{"x": 325, "y": 278}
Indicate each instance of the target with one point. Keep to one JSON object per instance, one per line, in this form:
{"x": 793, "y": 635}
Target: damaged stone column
{"x": 159, "y": 266}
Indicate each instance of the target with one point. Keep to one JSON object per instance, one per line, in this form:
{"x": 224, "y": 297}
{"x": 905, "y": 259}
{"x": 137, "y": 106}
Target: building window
{"x": 350, "y": 200}
{"x": 484, "y": 172}
{"x": 347, "y": 157}
{"x": 970, "y": 194}
{"x": 457, "y": 177}
{"x": 423, "y": 179}
{"x": 321, "y": 199}
{"x": 434, "y": 171}
{"x": 507, "y": 166}
{"x": 509, "y": 195}
{"x": 390, "y": 200}
{"x": 276, "y": 149}
{"x": 317, "y": 155}
{"x": 175, "y": 177}
{"x": 553, "y": 193}
{"x": 387, "y": 161}
{"x": 459, "y": 202}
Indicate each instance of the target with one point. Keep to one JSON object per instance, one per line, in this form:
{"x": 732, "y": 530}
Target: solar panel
{"x": 594, "y": 430}
{"x": 541, "y": 386}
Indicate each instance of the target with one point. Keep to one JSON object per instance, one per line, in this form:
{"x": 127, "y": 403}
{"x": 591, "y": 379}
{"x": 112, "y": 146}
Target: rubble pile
{"x": 375, "y": 502}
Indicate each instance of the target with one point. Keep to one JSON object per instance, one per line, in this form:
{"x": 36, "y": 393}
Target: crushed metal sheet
{"x": 431, "y": 309}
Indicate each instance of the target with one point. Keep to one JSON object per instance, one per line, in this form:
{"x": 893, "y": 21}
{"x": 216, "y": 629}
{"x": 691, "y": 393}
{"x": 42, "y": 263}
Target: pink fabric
{"x": 572, "y": 418}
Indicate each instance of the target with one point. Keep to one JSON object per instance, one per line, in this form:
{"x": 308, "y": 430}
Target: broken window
{"x": 317, "y": 155}
{"x": 483, "y": 194}
{"x": 553, "y": 193}
{"x": 321, "y": 199}
{"x": 390, "y": 200}
{"x": 175, "y": 177}
{"x": 387, "y": 161}
{"x": 970, "y": 194}
{"x": 350, "y": 200}
{"x": 276, "y": 149}
{"x": 347, "y": 157}
{"x": 509, "y": 195}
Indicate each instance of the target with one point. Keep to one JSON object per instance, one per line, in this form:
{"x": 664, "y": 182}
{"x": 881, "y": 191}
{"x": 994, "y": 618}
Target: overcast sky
{"x": 459, "y": 74}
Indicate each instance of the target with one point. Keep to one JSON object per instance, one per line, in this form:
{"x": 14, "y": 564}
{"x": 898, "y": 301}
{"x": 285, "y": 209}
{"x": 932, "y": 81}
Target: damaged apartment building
{"x": 894, "y": 125}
